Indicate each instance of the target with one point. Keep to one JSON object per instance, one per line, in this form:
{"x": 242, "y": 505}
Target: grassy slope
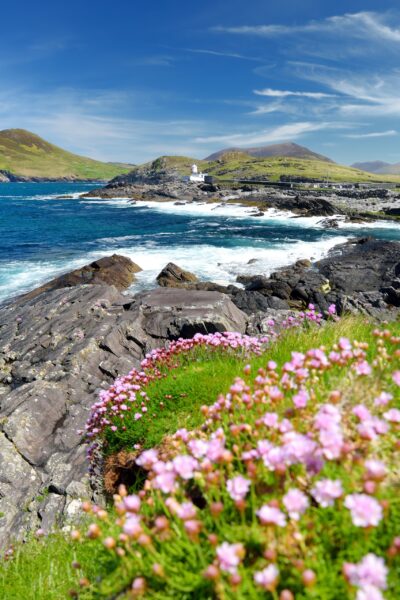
{"x": 241, "y": 165}
{"x": 25, "y": 154}
{"x": 42, "y": 569}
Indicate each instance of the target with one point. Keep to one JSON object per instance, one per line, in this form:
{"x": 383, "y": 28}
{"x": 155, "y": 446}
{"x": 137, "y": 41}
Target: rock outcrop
{"x": 58, "y": 349}
{"x": 361, "y": 275}
{"x": 173, "y": 276}
{"x": 115, "y": 270}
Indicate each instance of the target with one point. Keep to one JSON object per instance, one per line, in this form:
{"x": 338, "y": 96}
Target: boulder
{"x": 171, "y": 314}
{"x": 174, "y": 276}
{"x": 113, "y": 270}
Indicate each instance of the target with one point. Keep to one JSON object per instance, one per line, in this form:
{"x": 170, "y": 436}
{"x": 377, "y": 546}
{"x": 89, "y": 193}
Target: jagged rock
{"x": 114, "y": 270}
{"x": 174, "y": 276}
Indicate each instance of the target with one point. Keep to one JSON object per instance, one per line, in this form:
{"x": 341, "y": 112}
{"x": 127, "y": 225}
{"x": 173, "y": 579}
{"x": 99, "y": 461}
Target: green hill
{"x": 26, "y": 155}
{"x": 239, "y": 165}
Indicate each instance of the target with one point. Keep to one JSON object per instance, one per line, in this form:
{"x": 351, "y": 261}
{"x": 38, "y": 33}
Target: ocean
{"x": 43, "y": 235}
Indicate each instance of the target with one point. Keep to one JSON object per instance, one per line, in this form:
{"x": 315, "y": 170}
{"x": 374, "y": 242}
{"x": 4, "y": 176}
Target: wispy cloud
{"x": 286, "y": 94}
{"x": 224, "y": 54}
{"x": 357, "y": 25}
{"x": 288, "y": 131}
{"x": 373, "y": 134}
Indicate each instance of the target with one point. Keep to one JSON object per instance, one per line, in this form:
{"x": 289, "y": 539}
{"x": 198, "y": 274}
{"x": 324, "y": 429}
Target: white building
{"x": 196, "y": 176}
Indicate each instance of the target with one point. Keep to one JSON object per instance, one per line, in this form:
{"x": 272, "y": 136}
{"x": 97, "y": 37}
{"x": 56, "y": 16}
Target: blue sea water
{"x": 43, "y": 235}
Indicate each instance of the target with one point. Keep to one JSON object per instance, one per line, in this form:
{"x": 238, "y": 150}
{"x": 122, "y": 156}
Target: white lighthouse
{"x": 195, "y": 176}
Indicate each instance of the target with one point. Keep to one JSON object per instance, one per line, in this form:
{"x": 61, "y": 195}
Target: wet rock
{"x": 174, "y": 276}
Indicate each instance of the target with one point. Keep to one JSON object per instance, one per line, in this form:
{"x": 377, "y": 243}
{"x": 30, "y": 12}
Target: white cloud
{"x": 223, "y": 54}
{"x": 286, "y": 93}
{"x": 373, "y": 134}
{"x": 277, "y": 134}
{"x": 356, "y": 25}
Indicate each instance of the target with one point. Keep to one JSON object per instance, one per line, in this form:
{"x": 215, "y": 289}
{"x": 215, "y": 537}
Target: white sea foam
{"x": 221, "y": 264}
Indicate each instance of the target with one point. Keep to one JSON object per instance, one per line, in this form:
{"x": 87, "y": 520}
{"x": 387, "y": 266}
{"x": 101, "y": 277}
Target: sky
{"x": 129, "y": 81}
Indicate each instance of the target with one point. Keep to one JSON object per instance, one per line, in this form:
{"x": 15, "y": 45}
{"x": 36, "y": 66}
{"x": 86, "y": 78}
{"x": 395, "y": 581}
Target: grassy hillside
{"x": 239, "y": 165}
{"x": 25, "y": 154}
{"x": 291, "y": 489}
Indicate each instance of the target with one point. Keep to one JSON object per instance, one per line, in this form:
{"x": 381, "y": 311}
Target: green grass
{"x": 25, "y": 154}
{"x": 42, "y": 569}
{"x": 203, "y": 375}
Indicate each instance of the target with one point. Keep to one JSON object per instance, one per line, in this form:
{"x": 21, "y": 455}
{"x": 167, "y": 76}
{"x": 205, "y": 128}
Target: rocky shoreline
{"x": 64, "y": 342}
{"x": 355, "y": 205}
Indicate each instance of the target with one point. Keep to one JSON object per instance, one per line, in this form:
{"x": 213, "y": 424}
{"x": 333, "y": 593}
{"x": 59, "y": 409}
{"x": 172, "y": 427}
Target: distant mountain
{"x": 379, "y": 167}
{"x": 373, "y": 166}
{"x": 287, "y": 149}
{"x": 25, "y": 155}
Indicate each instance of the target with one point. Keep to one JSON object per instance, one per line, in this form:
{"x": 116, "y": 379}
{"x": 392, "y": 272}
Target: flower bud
{"x": 309, "y": 577}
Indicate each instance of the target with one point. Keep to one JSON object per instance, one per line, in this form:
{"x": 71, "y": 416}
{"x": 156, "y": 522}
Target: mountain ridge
{"x": 378, "y": 167}
{"x": 289, "y": 149}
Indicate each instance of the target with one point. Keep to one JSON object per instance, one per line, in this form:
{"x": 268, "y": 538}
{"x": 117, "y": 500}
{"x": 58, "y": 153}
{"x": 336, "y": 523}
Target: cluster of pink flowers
{"x": 369, "y": 576}
{"x": 260, "y": 468}
{"x": 128, "y": 393}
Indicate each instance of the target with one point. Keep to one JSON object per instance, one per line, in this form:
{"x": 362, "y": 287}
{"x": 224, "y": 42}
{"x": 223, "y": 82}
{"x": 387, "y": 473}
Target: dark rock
{"x": 174, "y": 276}
{"x": 113, "y": 270}
{"x": 362, "y": 265}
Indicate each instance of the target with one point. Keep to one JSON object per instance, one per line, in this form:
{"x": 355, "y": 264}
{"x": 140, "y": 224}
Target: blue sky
{"x": 128, "y": 80}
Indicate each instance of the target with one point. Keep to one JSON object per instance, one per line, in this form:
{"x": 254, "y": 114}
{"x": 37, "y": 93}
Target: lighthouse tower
{"x": 196, "y": 176}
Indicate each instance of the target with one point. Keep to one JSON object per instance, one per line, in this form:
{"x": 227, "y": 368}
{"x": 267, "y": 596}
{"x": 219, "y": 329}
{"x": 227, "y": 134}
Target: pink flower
{"x": 365, "y": 511}
{"x": 363, "y": 368}
{"x": 198, "y": 448}
{"x": 132, "y": 503}
{"x": 271, "y": 420}
{"x": 132, "y": 526}
{"x": 369, "y": 592}
{"x": 300, "y": 399}
{"x": 295, "y": 503}
{"x": 184, "y": 466}
{"x": 383, "y": 399}
{"x": 229, "y": 556}
{"x": 165, "y": 482}
{"x": 396, "y": 377}
{"x": 186, "y": 511}
{"x": 238, "y": 487}
{"x": 267, "y": 578}
{"x": 376, "y": 469}
{"x": 326, "y": 491}
{"x": 392, "y": 415}
{"x": 269, "y": 515}
{"x": 332, "y": 309}
{"x": 371, "y": 570}
{"x": 147, "y": 459}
